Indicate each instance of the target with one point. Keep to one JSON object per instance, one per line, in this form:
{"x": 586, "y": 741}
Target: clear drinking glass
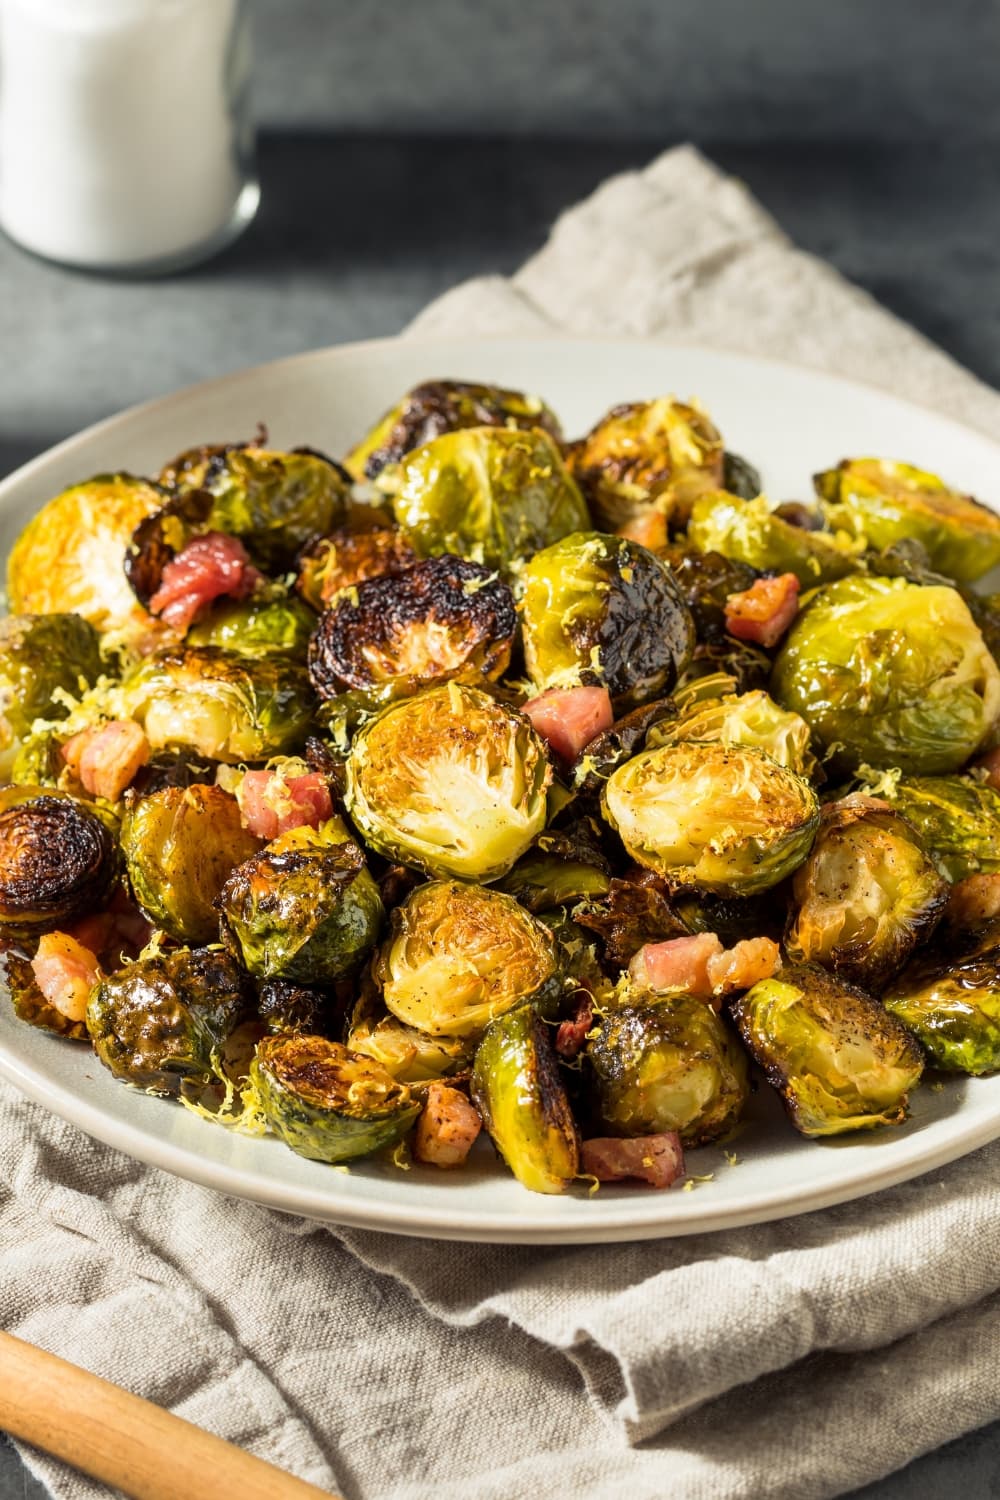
{"x": 126, "y": 136}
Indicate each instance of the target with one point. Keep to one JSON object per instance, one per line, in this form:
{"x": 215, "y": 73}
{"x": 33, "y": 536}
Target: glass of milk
{"x": 126, "y": 140}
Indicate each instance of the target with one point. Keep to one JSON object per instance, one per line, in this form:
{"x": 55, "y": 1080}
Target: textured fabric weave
{"x": 792, "y": 1361}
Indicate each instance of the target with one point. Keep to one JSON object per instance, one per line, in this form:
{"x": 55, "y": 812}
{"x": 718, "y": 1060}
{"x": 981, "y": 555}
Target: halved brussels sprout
{"x": 751, "y": 531}
{"x": 58, "y": 860}
{"x": 603, "y": 611}
{"x": 541, "y": 881}
{"x": 752, "y": 720}
{"x": 218, "y": 704}
{"x": 28, "y": 1002}
{"x": 439, "y": 406}
{"x": 706, "y": 580}
{"x": 267, "y": 623}
{"x": 410, "y": 1055}
{"x": 69, "y": 557}
{"x": 449, "y": 781}
{"x": 643, "y": 464}
{"x": 666, "y": 1064}
{"x": 459, "y": 955}
{"x": 349, "y": 557}
{"x": 517, "y": 1090}
{"x": 838, "y": 1059}
{"x": 325, "y": 1102}
{"x": 160, "y": 1023}
{"x": 180, "y": 846}
{"x": 443, "y": 618}
{"x": 492, "y": 494}
{"x": 883, "y": 502}
{"x": 41, "y": 658}
{"x": 890, "y": 674}
{"x": 283, "y": 1006}
{"x": 729, "y": 820}
{"x": 866, "y": 895}
{"x": 952, "y": 1007}
{"x": 305, "y": 908}
{"x": 957, "y": 818}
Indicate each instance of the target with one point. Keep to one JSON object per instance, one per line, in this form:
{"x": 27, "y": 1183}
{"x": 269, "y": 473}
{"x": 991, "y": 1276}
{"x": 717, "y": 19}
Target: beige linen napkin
{"x": 793, "y": 1360}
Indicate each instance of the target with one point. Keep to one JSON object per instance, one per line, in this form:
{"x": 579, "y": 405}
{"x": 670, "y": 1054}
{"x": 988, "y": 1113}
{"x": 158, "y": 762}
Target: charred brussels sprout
{"x": 751, "y": 531}
{"x": 739, "y": 477}
{"x": 283, "y": 1006}
{"x": 706, "y": 580}
{"x": 220, "y": 705}
{"x": 449, "y": 781}
{"x": 30, "y": 1005}
{"x": 889, "y": 674}
{"x": 644, "y": 463}
{"x": 958, "y": 820}
{"x": 41, "y": 657}
{"x": 459, "y": 955}
{"x": 838, "y": 1059}
{"x": 602, "y": 611}
{"x": 443, "y": 618}
{"x": 884, "y": 503}
{"x": 180, "y": 845}
{"x": 728, "y": 820}
{"x": 487, "y": 493}
{"x": 303, "y": 909}
{"x": 866, "y": 895}
{"x": 70, "y": 556}
{"x": 58, "y": 860}
{"x": 347, "y": 557}
{"x": 668, "y": 1065}
{"x": 325, "y": 1102}
{"x": 517, "y": 1089}
{"x": 752, "y": 720}
{"x": 160, "y": 1023}
{"x": 439, "y": 406}
{"x": 952, "y": 1007}
{"x": 410, "y": 1055}
{"x": 267, "y": 624}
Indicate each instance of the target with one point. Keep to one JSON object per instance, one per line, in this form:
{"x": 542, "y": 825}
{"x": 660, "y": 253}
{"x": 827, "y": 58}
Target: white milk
{"x": 120, "y": 128}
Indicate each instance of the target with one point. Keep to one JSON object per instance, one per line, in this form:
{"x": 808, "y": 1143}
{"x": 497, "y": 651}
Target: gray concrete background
{"x": 405, "y": 147}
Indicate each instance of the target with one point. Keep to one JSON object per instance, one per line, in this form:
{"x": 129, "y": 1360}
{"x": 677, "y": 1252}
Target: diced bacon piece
{"x": 740, "y": 967}
{"x": 974, "y": 901}
{"x": 656, "y": 1159}
{"x": 447, "y": 1129}
{"x": 679, "y": 964}
{"x": 571, "y": 1034}
{"x": 208, "y": 568}
{"x": 763, "y": 612}
{"x": 569, "y": 718}
{"x": 271, "y": 804}
{"x": 65, "y": 972}
{"x": 107, "y": 758}
{"x": 990, "y": 763}
{"x": 649, "y": 528}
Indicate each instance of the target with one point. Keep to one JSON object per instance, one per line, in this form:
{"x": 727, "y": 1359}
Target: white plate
{"x": 788, "y": 421}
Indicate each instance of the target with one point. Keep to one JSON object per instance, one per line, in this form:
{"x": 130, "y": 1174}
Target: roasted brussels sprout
{"x": 866, "y": 895}
{"x": 603, "y": 611}
{"x": 270, "y": 622}
{"x": 41, "y": 658}
{"x": 160, "y": 1023}
{"x": 625, "y": 738}
{"x": 740, "y": 477}
{"x": 58, "y": 860}
{"x": 706, "y": 580}
{"x": 348, "y": 557}
{"x": 952, "y": 1007}
{"x": 632, "y": 912}
{"x": 541, "y": 881}
{"x": 439, "y": 406}
{"x": 180, "y": 846}
{"x": 644, "y": 463}
{"x": 752, "y": 720}
{"x": 443, "y": 618}
{"x": 450, "y": 781}
{"x": 751, "y": 531}
{"x": 729, "y": 820}
{"x": 304, "y": 909}
{"x": 325, "y": 1102}
{"x": 957, "y": 818}
{"x": 69, "y": 557}
{"x": 518, "y": 1092}
{"x": 28, "y": 1002}
{"x": 733, "y": 919}
{"x": 666, "y": 1064}
{"x": 218, "y": 704}
{"x": 410, "y": 1055}
{"x": 459, "y": 955}
{"x": 883, "y": 503}
{"x": 283, "y": 1006}
{"x": 838, "y": 1059}
{"x": 889, "y": 674}
{"x": 491, "y": 494}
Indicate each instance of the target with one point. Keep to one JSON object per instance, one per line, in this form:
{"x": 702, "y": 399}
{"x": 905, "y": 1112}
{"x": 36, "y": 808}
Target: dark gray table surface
{"x": 356, "y": 235}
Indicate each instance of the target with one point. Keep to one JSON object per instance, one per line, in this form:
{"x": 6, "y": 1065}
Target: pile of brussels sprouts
{"x": 489, "y": 778}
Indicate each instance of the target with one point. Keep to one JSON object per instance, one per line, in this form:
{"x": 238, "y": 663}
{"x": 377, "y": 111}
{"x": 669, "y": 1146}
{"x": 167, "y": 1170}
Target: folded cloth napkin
{"x": 792, "y": 1360}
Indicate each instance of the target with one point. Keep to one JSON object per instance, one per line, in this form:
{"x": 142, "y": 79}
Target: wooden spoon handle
{"x": 124, "y": 1441}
